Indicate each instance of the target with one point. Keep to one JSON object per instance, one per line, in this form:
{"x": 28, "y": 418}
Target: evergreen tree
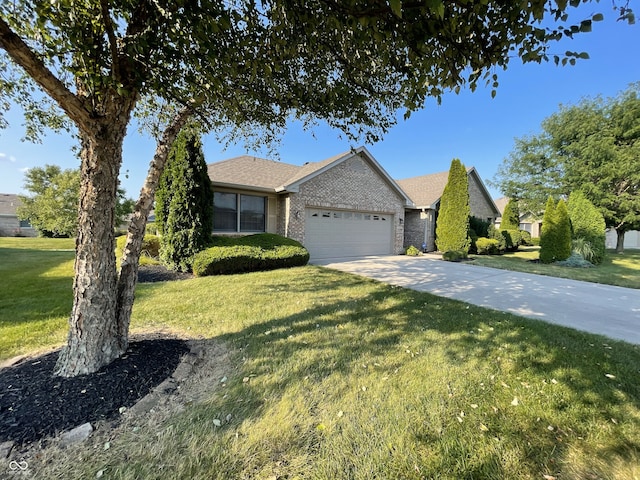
{"x": 548, "y": 233}
{"x": 563, "y": 235}
{"x": 187, "y": 203}
{"x": 587, "y": 223}
{"x": 555, "y": 238}
{"x": 510, "y": 216}
{"x": 452, "y": 228}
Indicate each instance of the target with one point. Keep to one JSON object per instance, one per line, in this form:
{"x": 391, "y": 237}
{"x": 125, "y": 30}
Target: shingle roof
{"x": 501, "y": 203}
{"x": 251, "y": 172}
{"x": 425, "y": 190}
{"x": 8, "y": 203}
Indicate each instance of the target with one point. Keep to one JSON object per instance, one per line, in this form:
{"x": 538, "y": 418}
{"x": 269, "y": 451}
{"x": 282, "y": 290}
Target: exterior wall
{"x": 10, "y": 227}
{"x": 419, "y": 229}
{"x": 631, "y": 239}
{"x": 350, "y": 185}
{"x": 480, "y": 206}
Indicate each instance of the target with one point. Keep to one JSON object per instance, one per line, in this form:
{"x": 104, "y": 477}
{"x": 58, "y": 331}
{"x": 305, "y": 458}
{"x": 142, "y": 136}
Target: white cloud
{"x": 24, "y": 169}
{"x": 5, "y": 157}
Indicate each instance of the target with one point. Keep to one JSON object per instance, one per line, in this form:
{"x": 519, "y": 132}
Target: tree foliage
{"x": 184, "y": 210}
{"x": 245, "y": 68}
{"x": 52, "y": 209}
{"x": 593, "y": 147}
{"x": 452, "y": 225}
{"x": 588, "y": 224}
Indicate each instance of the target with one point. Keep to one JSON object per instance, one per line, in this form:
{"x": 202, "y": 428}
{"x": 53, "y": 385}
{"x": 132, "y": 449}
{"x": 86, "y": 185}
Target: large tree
{"x": 52, "y": 206}
{"x": 250, "y": 66}
{"x": 592, "y": 147}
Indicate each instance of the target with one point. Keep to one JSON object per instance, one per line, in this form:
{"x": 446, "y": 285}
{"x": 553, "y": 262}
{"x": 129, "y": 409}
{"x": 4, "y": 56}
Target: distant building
{"x": 10, "y": 225}
{"x": 528, "y": 222}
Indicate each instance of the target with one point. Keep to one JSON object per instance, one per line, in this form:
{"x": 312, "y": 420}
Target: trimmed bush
{"x": 487, "y": 246}
{"x": 452, "y": 226}
{"x": 555, "y": 241}
{"x": 151, "y": 228}
{"x": 494, "y": 233}
{"x": 150, "y": 246}
{"x": 512, "y": 239}
{"x": 479, "y": 226}
{"x": 412, "y": 251}
{"x": 249, "y": 254}
{"x": 525, "y": 238}
{"x": 454, "y": 255}
{"x": 588, "y": 225}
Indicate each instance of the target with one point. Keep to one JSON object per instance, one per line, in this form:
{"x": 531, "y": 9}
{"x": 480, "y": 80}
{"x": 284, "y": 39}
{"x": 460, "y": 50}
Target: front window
{"x": 238, "y": 213}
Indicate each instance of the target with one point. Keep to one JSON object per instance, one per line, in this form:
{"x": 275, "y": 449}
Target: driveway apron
{"x": 602, "y": 309}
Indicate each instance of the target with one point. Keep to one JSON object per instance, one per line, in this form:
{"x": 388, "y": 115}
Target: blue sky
{"x": 473, "y": 127}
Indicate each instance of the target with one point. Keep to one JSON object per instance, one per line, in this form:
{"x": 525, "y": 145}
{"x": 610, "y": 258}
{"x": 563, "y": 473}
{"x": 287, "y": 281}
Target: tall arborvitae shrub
{"x": 548, "y": 233}
{"x": 563, "y": 245}
{"x": 555, "y": 238}
{"x": 510, "y": 216}
{"x": 188, "y": 204}
{"x": 452, "y": 228}
{"x": 587, "y": 223}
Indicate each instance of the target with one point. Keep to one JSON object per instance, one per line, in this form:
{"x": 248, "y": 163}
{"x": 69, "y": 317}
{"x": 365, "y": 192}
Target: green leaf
{"x": 396, "y": 7}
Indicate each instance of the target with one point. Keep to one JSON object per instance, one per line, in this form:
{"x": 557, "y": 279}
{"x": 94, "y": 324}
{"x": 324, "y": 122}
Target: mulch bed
{"x": 34, "y": 404}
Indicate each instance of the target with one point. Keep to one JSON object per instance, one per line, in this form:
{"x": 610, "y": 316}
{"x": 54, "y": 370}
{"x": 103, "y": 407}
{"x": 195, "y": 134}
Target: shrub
{"x": 412, "y": 251}
{"x": 452, "y": 226}
{"x": 555, "y": 241}
{"x": 150, "y": 246}
{"x": 582, "y": 247}
{"x": 487, "y": 246}
{"x": 525, "y": 238}
{"x": 454, "y": 255}
{"x": 151, "y": 228}
{"x": 512, "y": 239}
{"x": 479, "y": 226}
{"x": 184, "y": 203}
{"x": 249, "y": 254}
{"x": 494, "y": 233}
{"x": 575, "y": 260}
{"x": 587, "y": 225}
{"x": 510, "y": 216}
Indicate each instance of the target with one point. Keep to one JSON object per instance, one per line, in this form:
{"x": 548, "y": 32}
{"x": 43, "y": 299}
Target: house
{"x": 528, "y": 221}
{"x": 346, "y": 205}
{"x": 631, "y": 239}
{"x": 10, "y": 225}
{"x": 426, "y": 191}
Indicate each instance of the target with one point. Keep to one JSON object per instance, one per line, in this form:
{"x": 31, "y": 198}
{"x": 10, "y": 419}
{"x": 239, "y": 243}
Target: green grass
{"x": 620, "y": 269}
{"x": 339, "y": 377}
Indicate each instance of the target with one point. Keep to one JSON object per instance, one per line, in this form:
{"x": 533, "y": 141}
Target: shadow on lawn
{"x": 336, "y": 335}
{"x": 30, "y": 293}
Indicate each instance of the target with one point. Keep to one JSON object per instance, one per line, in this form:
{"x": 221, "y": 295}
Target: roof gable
{"x": 8, "y": 203}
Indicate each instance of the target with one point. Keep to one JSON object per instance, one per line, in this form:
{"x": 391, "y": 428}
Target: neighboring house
{"x": 631, "y": 239}
{"x": 425, "y": 192}
{"x": 347, "y": 205}
{"x": 10, "y": 225}
{"x": 528, "y": 222}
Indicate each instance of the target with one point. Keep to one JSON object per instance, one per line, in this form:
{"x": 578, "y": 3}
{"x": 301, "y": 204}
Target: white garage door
{"x": 334, "y": 233}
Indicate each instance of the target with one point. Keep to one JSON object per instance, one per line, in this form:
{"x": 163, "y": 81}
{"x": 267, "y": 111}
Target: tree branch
{"x": 23, "y": 56}
{"x": 108, "y": 25}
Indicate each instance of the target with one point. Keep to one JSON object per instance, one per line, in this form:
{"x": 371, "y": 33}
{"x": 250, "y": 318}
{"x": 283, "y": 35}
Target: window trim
{"x": 238, "y": 213}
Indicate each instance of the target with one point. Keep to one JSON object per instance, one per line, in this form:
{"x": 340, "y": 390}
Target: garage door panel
{"x": 333, "y": 233}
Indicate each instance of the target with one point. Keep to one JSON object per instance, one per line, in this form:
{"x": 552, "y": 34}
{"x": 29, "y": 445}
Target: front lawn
{"x": 339, "y": 377}
{"x": 620, "y": 269}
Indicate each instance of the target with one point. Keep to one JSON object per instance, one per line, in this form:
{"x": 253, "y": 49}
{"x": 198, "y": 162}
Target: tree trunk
{"x": 94, "y": 339}
{"x": 620, "y": 241}
{"x": 135, "y": 233}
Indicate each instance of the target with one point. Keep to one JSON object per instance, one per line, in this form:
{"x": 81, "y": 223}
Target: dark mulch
{"x": 159, "y": 273}
{"x": 34, "y": 404}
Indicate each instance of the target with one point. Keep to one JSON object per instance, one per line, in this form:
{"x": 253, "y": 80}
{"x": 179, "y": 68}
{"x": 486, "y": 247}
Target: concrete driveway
{"x": 606, "y": 310}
